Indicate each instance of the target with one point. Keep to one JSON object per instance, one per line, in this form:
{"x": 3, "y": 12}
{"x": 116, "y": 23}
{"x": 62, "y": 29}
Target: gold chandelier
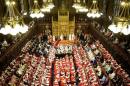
{"x": 50, "y": 4}
{"x": 93, "y": 11}
{"x": 80, "y": 6}
{"x": 121, "y": 21}
{"x": 12, "y": 23}
{"x": 47, "y": 6}
{"x": 36, "y": 11}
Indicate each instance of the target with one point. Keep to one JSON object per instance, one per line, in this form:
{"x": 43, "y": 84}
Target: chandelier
{"x": 76, "y": 4}
{"x": 12, "y": 23}
{"x": 23, "y": 8}
{"x": 94, "y": 10}
{"x": 50, "y": 4}
{"x": 121, "y": 21}
{"x": 47, "y": 6}
{"x": 83, "y": 7}
{"x": 36, "y": 11}
{"x": 80, "y": 7}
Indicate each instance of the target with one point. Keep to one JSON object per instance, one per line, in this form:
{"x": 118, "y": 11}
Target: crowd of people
{"x": 117, "y": 39}
{"x": 46, "y": 63}
{"x": 6, "y": 42}
{"x": 107, "y": 69}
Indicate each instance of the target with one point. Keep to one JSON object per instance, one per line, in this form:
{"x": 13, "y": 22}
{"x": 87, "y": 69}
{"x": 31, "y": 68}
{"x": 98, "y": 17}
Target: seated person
{"x": 112, "y": 75}
{"x": 94, "y": 62}
{"x": 99, "y": 71}
{"x": 108, "y": 68}
{"x": 13, "y": 81}
{"x": 103, "y": 80}
{"x": 4, "y": 45}
{"x": 101, "y": 59}
{"x": 117, "y": 80}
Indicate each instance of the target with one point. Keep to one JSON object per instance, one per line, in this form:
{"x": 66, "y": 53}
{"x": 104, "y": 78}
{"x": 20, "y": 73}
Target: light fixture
{"x": 93, "y": 11}
{"x": 12, "y": 23}
{"x": 47, "y": 6}
{"x": 50, "y": 4}
{"x": 36, "y": 11}
{"x": 77, "y": 5}
{"x": 45, "y": 9}
{"x": 83, "y": 7}
{"x": 121, "y": 22}
{"x": 80, "y": 7}
{"x": 23, "y": 7}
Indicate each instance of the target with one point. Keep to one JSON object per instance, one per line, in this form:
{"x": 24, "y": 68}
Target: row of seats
{"x": 103, "y": 66}
{"x": 64, "y": 71}
{"x": 114, "y": 71}
{"x": 29, "y": 66}
{"x": 89, "y": 65}
{"x": 84, "y": 68}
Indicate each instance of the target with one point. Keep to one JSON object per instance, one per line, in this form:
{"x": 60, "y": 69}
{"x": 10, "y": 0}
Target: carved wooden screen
{"x": 63, "y": 26}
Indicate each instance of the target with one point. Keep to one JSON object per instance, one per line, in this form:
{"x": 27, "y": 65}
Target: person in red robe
{"x": 63, "y": 81}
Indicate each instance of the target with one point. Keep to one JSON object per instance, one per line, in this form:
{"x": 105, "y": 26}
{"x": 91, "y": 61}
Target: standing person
{"x": 50, "y": 38}
{"x": 81, "y": 37}
{"x": 45, "y": 37}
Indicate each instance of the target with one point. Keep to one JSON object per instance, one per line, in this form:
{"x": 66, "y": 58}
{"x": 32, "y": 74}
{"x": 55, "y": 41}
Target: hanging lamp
{"x": 121, "y": 19}
{"x": 36, "y": 11}
{"x": 47, "y": 6}
{"x": 13, "y": 22}
{"x": 93, "y": 11}
{"x": 50, "y": 4}
{"x": 77, "y": 5}
{"x": 83, "y": 7}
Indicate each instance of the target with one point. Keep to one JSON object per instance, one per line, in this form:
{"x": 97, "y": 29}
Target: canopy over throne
{"x": 63, "y": 27}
